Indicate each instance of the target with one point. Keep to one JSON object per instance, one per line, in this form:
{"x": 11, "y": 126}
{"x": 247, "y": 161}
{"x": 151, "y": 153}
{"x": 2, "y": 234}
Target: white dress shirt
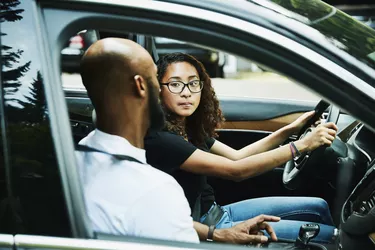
{"x": 129, "y": 198}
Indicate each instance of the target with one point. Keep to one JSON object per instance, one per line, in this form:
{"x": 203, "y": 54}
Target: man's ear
{"x": 140, "y": 86}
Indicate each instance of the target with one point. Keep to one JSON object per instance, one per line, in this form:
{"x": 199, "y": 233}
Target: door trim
{"x": 265, "y": 125}
{"x": 7, "y": 240}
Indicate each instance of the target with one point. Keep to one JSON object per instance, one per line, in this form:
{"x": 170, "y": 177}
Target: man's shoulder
{"x": 131, "y": 180}
{"x": 87, "y": 138}
{"x": 143, "y": 175}
{"x": 154, "y": 179}
{"x": 163, "y": 187}
{"x": 159, "y": 177}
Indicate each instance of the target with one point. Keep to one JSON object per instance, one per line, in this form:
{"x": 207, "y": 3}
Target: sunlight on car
{"x": 371, "y": 55}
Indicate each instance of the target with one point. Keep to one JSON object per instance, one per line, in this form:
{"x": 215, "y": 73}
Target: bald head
{"x": 120, "y": 78}
{"x": 109, "y": 66}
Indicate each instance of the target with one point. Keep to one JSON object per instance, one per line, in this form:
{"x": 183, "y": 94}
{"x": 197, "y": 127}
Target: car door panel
{"x": 260, "y": 109}
{"x": 271, "y": 125}
{"x": 6, "y": 242}
{"x": 249, "y": 120}
{"x": 109, "y": 241}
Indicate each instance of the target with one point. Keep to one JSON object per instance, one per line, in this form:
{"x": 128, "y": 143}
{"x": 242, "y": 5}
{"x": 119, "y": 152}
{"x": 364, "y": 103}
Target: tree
{"x": 11, "y": 71}
{"x": 11, "y": 76}
{"x": 36, "y": 106}
{"x": 7, "y": 13}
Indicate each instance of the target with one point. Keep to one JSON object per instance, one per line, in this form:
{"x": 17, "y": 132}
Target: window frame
{"x": 6, "y": 240}
{"x": 61, "y": 19}
{"x": 3, "y": 131}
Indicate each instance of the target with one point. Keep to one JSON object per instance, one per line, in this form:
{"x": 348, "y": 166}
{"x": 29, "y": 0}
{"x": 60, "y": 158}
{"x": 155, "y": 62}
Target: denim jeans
{"x": 293, "y": 211}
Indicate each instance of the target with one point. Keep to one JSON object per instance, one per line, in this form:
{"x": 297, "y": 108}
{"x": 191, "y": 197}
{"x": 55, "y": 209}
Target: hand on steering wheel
{"x": 323, "y": 134}
{"x": 312, "y": 139}
{"x": 301, "y": 121}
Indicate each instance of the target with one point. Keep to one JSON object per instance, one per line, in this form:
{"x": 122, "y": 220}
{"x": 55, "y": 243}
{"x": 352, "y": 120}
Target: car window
{"x": 36, "y": 185}
{"x": 231, "y": 75}
{"x": 235, "y": 76}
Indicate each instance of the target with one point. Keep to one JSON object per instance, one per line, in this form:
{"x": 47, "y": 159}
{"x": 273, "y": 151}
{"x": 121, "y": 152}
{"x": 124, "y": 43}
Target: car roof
{"x": 315, "y": 24}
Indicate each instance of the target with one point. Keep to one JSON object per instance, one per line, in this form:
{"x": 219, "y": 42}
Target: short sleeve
{"x": 210, "y": 142}
{"x": 167, "y": 151}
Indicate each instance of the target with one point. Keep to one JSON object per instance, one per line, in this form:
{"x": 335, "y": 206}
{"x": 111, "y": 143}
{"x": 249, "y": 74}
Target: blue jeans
{"x": 293, "y": 211}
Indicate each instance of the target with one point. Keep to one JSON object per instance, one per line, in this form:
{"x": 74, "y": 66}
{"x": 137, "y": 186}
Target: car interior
{"x": 270, "y": 61}
{"x": 331, "y": 173}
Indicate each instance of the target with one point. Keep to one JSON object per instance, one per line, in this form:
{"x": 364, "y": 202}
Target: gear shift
{"x": 306, "y": 233}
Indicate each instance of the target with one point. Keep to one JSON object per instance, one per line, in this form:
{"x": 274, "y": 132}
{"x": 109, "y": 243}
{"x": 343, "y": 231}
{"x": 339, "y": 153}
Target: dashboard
{"x": 357, "y": 222}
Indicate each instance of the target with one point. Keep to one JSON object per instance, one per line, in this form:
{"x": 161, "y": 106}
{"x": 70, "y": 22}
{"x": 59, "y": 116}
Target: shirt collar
{"x": 113, "y": 144}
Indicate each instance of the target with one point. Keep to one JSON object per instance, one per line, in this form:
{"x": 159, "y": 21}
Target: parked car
{"x": 71, "y": 55}
{"x": 311, "y": 42}
{"x": 75, "y": 48}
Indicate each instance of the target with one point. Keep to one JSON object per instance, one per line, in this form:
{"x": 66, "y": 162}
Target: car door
{"x": 62, "y": 19}
{"x": 34, "y": 202}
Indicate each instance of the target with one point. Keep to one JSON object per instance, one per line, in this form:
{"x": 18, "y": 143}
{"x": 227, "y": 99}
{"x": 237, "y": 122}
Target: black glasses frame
{"x": 183, "y": 88}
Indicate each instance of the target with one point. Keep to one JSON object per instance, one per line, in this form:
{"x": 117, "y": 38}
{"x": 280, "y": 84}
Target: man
{"x": 127, "y": 197}
{"x": 124, "y": 195}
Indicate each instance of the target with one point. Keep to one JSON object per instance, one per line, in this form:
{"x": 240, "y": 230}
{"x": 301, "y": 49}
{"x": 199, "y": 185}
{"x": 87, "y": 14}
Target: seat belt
{"x": 83, "y": 148}
{"x": 196, "y": 214}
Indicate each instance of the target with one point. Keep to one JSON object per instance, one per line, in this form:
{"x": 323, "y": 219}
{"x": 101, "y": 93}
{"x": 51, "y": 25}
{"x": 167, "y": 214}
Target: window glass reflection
{"x": 37, "y": 206}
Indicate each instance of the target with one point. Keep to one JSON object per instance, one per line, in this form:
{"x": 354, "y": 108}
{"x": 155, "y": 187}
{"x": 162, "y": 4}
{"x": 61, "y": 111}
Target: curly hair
{"x": 207, "y": 117}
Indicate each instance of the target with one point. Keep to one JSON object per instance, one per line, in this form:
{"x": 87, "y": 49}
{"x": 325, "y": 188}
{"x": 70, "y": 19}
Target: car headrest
{"x": 94, "y": 117}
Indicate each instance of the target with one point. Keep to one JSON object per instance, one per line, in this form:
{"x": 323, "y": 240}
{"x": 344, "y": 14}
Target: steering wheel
{"x": 294, "y": 169}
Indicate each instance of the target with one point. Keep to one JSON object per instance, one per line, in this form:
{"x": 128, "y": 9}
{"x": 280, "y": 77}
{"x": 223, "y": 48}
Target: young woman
{"x": 187, "y": 150}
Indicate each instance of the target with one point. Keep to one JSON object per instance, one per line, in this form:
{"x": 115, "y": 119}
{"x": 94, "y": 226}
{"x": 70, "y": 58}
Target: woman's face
{"x": 185, "y": 103}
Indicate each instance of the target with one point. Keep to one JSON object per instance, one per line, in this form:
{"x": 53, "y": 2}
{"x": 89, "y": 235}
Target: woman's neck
{"x": 181, "y": 121}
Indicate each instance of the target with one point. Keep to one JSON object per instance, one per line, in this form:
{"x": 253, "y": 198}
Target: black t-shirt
{"x": 167, "y": 151}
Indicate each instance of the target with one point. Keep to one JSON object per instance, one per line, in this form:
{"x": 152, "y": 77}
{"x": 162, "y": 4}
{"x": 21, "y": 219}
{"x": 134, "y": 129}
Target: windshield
{"x": 340, "y": 29}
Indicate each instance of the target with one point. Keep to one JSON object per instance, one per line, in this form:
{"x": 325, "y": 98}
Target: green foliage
{"x": 28, "y": 131}
{"x": 35, "y": 107}
{"x": 11, "y": 71}
{"x": 7, "y": 11}
{"x": 31, "y": 147}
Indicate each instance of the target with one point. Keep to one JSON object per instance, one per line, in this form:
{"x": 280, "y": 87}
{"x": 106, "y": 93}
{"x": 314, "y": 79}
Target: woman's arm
{"x": 201, "y": 162}
{"x": 270, "y": 142}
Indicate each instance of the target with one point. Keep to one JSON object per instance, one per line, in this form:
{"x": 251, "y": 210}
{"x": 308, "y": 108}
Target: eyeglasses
{"x": 176, "y": 87}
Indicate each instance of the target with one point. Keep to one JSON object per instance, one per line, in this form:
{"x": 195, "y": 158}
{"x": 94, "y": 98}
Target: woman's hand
{"x": 297, "y": 125}
{"x": 323, "y": 134}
